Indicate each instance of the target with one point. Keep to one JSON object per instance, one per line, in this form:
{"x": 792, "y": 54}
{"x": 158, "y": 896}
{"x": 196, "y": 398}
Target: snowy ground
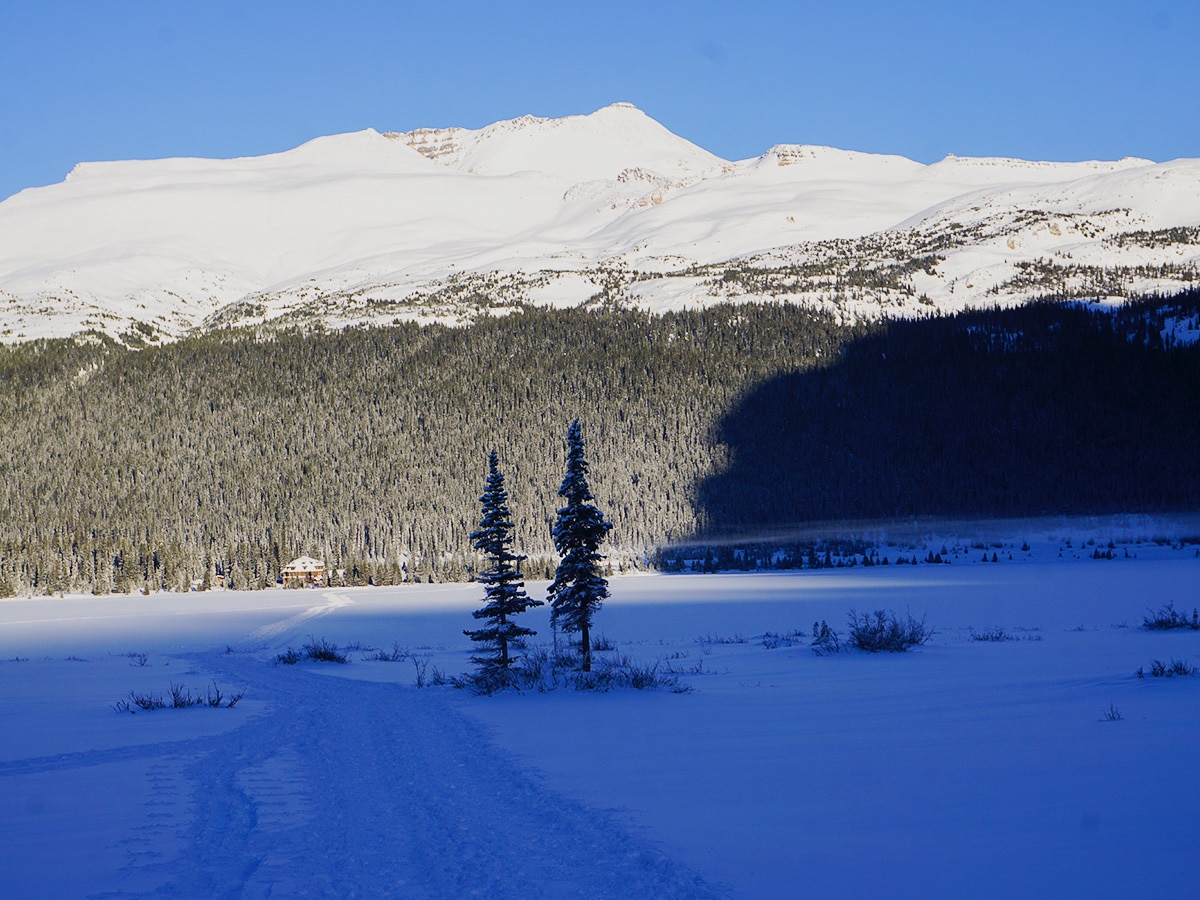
{"x": 963, "y": 768}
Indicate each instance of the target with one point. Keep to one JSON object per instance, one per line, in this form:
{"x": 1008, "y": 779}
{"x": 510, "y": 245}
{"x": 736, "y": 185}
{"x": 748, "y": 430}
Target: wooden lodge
{"x": 303, "y": 571}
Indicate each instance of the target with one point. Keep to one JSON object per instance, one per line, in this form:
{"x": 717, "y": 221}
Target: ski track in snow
{"x": 265, "y": 634}
{"x": 356, "y": 789}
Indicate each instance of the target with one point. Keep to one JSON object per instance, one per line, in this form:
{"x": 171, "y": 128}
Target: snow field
{"x": 963, "y": 767}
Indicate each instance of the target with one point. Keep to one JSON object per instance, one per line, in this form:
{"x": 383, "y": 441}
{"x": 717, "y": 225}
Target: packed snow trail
{"x": 346, "y": 788}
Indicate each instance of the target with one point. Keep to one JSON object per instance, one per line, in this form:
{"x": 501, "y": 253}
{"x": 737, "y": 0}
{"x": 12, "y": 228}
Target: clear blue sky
{"x": 124, "y": 79}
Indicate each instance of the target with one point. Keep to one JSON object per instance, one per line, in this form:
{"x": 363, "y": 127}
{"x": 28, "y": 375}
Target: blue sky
{"x": 1046, "y": 80}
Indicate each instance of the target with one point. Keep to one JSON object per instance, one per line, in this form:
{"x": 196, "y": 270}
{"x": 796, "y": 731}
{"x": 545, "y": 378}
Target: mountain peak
{"x": 371, "y": 227}
{"x": 593, "y": 147}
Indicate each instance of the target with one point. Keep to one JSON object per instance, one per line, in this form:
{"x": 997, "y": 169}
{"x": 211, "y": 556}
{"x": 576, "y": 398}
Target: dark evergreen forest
{"x": 1044, "y": 409}
{"x": 230, "y": 453}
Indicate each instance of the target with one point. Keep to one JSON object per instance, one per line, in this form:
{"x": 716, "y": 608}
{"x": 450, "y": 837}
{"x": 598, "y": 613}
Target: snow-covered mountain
{"x": 441, "y": 224}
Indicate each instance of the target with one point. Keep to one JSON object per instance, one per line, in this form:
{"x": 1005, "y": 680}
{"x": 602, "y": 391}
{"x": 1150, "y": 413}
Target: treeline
{"x": 231, "y": 453}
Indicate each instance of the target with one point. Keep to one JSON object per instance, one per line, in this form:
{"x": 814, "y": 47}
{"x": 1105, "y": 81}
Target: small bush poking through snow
{"x": 1176, "y": 667}
{"x": 1167, "y": 618}
{"x": 317, "y": 649}
{"x": 721, "y": 639}
{"x": 181, "y": 698}
{"x": 321, "y": 650}
{"x": 1000, "y": 634}
{"x": 396, "y": 654}
{"x": 141, "y": 701}
{"x": 1113, "y": 714}
{"x": 994, "y": 634}
{"x": 825, "y": 640}
{"x": 773, "y": 640}
{"x": 542, "y": 670}
{"x": 885, "y": 632}
{"x": 427, "y": 678}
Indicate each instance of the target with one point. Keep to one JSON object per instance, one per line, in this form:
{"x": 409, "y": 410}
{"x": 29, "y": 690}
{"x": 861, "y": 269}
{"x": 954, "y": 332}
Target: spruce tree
{"x": 503, "y": 586}
{"x": 578, "y": 588}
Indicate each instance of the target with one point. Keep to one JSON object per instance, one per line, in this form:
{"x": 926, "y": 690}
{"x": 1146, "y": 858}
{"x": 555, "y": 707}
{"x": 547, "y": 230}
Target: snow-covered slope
{"x": 575, "y": 148}
{"x": 443, "y": 223}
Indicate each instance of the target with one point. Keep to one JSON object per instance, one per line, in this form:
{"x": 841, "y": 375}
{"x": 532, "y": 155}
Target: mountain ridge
{"x": 611, "y": 207}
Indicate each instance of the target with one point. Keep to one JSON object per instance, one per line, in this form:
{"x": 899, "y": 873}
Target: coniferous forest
{"x": 231, "y": 453}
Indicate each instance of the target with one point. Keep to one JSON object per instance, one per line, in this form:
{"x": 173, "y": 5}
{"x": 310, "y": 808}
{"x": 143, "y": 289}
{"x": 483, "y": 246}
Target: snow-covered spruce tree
{"x": 503, "y": 586}
{"x": 578, "y": 588}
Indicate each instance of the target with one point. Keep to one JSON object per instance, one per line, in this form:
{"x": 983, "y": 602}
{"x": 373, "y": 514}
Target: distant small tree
{"x": 503, "y": 585}
{"x": 578, "y": 589}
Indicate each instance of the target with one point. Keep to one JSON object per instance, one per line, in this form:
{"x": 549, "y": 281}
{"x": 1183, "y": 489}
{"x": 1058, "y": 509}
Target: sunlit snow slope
{"x": 442, "y": 224}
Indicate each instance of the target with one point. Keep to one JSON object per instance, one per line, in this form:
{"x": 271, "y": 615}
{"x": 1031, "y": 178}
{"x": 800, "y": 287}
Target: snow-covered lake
{"x": 965, "y": 767}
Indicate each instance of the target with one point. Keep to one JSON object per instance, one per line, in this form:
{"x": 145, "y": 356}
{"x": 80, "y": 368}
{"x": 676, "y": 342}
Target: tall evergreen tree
{"x": 504, "y": 587}
{"x": 578, "y": 588}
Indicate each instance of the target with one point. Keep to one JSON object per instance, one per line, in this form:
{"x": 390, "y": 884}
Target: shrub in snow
{"x": 434, "y": 678}
{"x": 396, "y": 654}
{"x": 721, "y": 639}
{"x": 140, "y": 701}
{"x": 1000, "y": 634}
{"x": 885, "y": 632}
{"x": 317, "y": 649}
{"x": 181, "y": 698}
{"x": 773, "y": 640}
{"x": 321, "y": 650}
{"x": 994, "y": 634}
{"x": 824, "y": 639}
{"x": 603, "y": 644}
{"x": 1167, "y": 618}
{"x": 1160, "y": 669}
{"x": 542, "y": 669}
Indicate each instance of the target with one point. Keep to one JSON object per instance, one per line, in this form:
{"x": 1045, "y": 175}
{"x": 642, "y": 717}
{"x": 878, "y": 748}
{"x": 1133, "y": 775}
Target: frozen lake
{"x": 989, "y": 768}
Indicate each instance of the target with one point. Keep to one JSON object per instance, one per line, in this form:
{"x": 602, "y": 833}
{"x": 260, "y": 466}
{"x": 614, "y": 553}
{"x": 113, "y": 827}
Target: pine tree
{"x": 504, "y": 587}
{"x": 578, "y": 588}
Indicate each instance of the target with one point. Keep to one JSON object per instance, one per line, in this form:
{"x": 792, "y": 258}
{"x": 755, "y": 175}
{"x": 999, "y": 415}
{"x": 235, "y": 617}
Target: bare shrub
{"x": 321, "y": 650}
{"x": 542, "y": 670}
{"x": 1167, "y": 618}
{"x": 824, "y": 639}
{"x": 773, "y": 640}
{"x": 885, "y": 632}
{"x": 1175, "y": 668}
{"x": 721, "y": 639}
{"x": 396, "y": 654}
{"x": 993, "y": 634}
{"x": 317, "y": 649}
{"x": 180, "y": 698}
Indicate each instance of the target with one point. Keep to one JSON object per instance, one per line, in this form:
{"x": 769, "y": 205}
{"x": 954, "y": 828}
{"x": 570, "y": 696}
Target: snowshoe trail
{"x": 357, "y": 789}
